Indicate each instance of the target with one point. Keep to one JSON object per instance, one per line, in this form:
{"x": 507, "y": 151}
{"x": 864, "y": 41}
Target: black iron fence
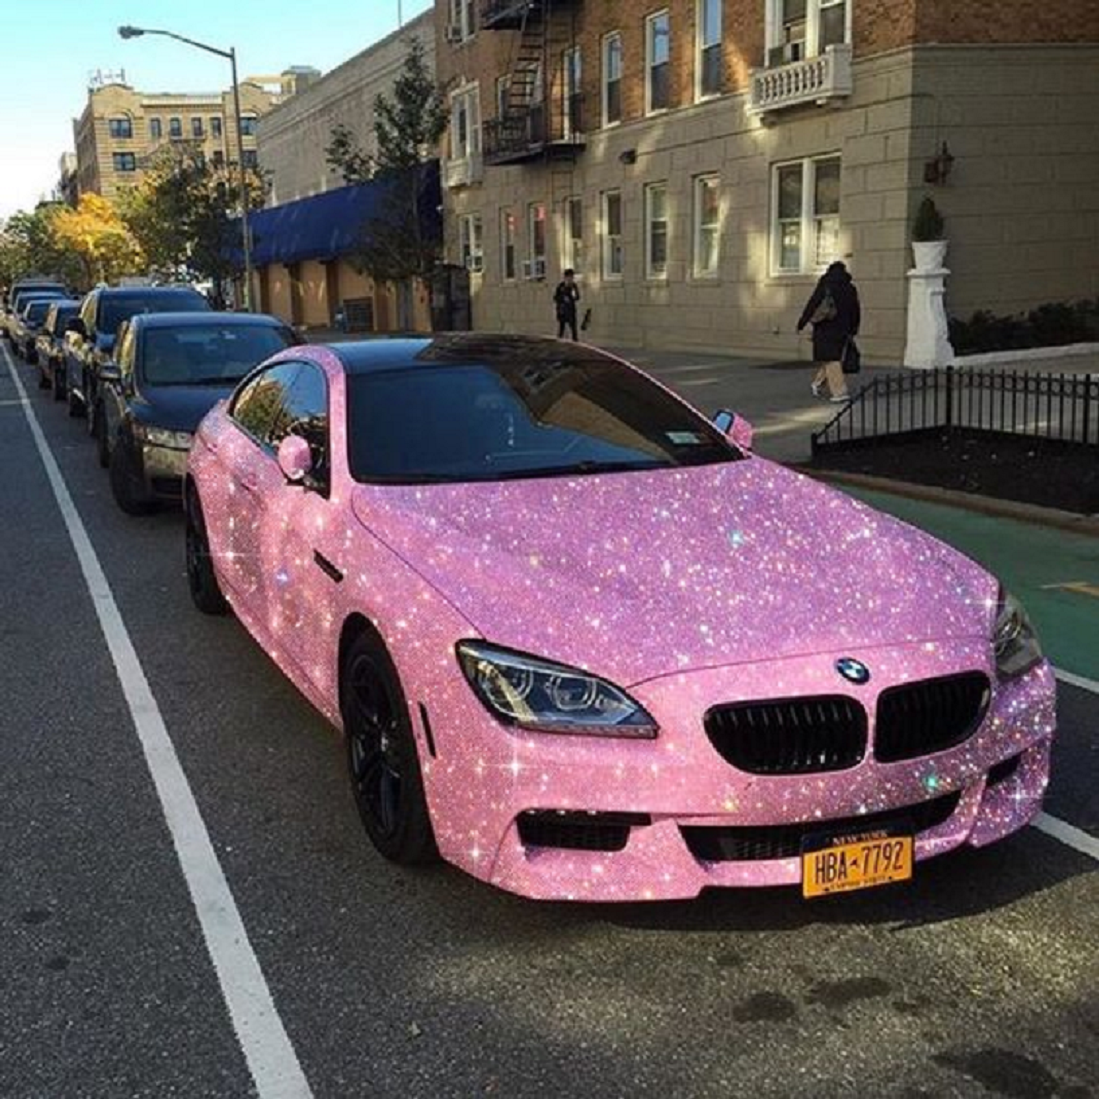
{"x": 535, "y": 128}
{"x": 1062, "y": 407}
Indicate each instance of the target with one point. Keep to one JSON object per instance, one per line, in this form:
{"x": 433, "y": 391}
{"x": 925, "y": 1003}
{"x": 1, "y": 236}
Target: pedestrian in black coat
{"x": 565, "y": 298}
{"x": 834, "y": 312}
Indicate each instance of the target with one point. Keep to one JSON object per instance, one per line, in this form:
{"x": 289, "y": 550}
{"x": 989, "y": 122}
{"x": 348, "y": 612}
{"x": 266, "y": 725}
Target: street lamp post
{"x": 231, "y": 54}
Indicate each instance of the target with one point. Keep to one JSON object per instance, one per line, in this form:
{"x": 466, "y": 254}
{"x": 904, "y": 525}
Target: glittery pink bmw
{"x": 583, "y": 644}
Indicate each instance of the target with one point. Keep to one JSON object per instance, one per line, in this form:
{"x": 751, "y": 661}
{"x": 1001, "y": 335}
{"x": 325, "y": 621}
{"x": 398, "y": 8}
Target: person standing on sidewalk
{"x": 833, "y": 311}
{"x": 565, "y": 298}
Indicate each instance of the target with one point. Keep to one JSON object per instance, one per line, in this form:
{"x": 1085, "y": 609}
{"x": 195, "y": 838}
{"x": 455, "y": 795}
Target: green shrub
{"x": 928, "y": 222}
{"x": 1052, "y": 325}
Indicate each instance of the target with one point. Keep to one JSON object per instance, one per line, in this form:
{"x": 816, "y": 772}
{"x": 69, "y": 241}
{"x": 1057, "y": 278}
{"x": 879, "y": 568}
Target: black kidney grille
{"x": 928, "y": 716}
{"x": 759, "y": 843}
{"x": 790, "y": 736}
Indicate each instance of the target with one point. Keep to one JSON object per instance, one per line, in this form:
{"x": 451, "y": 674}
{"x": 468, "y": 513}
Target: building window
{"x": 218, "y": 159}
{"x": 658, "y": 40}
{"x": 536, "y": 238}
{"x": 200, "y": 159}
{"x": 573, "y": 233}
{"x": 461, "y": 21}
{"x": 502, "y": 95}
{"x": 215, "y": 126}
{"x": 612, "y": 79}
{"x": 175, "y": 127}
{"x": 507, "y": 243}
{"x": 120, "y": 127}
{"x": 465, "y": 123}
{"x": 807, "y": 222}
{"x": 197, "y": 129}
{"x": 574, "y": 101}
{"x": 251, "y": 158}
{"x": 708, "y": 66}
{"x": 612, "y": 234}
{"x": 656, "y": 231}
{"x": 471, "y": 242}
{"x": 124, "y": 162}
{"x": 797, "y": 29}
{"x": 155, "y": 129}
{"x": 707, "y": 226}
{"x": 248, "y": 125}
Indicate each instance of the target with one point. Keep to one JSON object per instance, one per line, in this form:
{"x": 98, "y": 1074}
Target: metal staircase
{"x": 540, "y": 116}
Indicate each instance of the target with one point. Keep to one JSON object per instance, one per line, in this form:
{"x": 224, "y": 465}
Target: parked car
{"x": 169, "y": 371}
{"x": 50, "y": 345}
{"x": 26, "y": 325}
{"x": 584, "y": 644}
{"x": 101, "y": 312}
{"x": 19, "y": 302}
{"x": 44, "y": 287}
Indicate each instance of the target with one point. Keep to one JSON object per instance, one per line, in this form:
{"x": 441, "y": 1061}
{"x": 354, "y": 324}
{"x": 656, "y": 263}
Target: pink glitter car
{"x": 583, "y": 644}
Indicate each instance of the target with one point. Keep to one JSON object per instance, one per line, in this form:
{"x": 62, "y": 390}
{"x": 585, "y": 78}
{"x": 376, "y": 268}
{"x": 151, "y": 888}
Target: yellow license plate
{"x": 856, "y": 863}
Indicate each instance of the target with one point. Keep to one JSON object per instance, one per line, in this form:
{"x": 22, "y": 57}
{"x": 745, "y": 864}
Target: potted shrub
{"x": 928, "y": 242}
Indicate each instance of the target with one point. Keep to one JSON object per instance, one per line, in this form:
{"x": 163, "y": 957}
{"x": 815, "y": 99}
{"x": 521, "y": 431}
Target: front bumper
{"x": 164, "y": 468}
{"x": 487, "y": 781}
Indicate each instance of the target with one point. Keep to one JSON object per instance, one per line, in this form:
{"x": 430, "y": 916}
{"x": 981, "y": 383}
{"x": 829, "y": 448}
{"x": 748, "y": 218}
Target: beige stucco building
{"x": 700, "y": 161}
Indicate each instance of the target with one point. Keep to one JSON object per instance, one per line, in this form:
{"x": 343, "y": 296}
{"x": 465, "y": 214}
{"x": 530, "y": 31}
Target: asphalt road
{"x": 980, "y": 978}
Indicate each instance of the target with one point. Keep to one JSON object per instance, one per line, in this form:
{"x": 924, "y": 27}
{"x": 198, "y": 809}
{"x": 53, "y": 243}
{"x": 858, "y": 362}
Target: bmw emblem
{"x": 854, "y": 671}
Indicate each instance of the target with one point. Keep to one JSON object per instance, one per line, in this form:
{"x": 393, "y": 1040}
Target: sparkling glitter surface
{"x": 687, "y": 587}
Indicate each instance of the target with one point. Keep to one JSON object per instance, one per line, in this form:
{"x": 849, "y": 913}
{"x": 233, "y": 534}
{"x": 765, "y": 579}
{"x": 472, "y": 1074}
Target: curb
{"x": 1055, "y": 518}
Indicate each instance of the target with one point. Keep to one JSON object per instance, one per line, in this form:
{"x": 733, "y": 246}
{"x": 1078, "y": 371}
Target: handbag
{"x": 826, "y": 310}
{"x": 852, "y": 358}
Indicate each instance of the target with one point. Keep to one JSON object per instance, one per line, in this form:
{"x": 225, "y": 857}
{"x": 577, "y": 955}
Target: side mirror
{"x": 295, "y": 459}
{"x": 735, "y": 428}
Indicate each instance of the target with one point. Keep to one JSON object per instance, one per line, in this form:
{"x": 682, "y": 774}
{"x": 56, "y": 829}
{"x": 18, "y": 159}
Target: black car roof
{"x": 191, "y": 320}
{"x": 145, "y": 291}
{"x": 459, "y": 348}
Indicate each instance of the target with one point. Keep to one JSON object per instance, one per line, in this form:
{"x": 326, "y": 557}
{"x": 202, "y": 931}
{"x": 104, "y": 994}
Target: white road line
{"x": 1069, "y": 835}
{"x": 271, "y": 1058}
{"x": 1080, "y": 681}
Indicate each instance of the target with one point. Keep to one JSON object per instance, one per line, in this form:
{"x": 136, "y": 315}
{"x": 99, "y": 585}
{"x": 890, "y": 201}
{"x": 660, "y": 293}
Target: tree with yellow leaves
{"x": 95, "y": 232}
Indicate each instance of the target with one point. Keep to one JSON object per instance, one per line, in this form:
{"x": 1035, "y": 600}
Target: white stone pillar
{"x": 928, "y": 342}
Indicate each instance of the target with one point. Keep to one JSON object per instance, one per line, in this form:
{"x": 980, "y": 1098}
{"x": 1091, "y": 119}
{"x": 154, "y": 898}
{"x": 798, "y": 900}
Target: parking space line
{"x": 1080, "y": 681}
{"x": 271, "y": 1059}
{"x": 1073, "y": 837}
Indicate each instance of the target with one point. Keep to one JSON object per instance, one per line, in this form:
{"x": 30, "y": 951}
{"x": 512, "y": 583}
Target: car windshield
{"x": 527, "y": 417}
{"x": 36, "y": 312}
{"x": 208, "y": 354}
{"x": 21, "y": 300}
{"x": 116, "y": 308}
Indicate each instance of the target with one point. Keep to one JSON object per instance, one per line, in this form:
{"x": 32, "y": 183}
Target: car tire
{"x": 76, "y": 406}
{"x": 202, "y": 581}
{"x": 43, "y": 381}
{"x": 57, "y": 384}
{"x": 382, "y": 758}
{"x": 126, "y": 487}
{"x": 89, "y": 408}
{"x": 99, "y": 432}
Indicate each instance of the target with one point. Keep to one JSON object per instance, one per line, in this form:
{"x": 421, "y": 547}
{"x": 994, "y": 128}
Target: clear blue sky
{"x": 50, "y": 46}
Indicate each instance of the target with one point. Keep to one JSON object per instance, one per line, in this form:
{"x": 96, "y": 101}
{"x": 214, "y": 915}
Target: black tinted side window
{"x": 260, "y": 404}
{"x": 307, "y": 416}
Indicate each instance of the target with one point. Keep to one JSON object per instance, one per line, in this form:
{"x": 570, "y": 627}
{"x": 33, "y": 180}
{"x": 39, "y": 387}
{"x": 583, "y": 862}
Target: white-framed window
{"x": 611, "y": 235}
{"x": 612, "y": 78}
{"x": 806, "y": 221}
{"x": 572, "y": 232}
{"x": 465, "y": 123}
{"x": 658, "y": 62}
{"x": 709, "y": 74}
{"x": 656, "y": 231}
{"x": 502, "y": 95}
{"x": 707, "y": 226}
{"x": 571, "y": 67}
{"x": 507, "y": 243}
{"x": 536, "y": 240}
{"x": 796, "y": 29}
{"x": 462, "y": 23}
{"x": 471, "y": 242}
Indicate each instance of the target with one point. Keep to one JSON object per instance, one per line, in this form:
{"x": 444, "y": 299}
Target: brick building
{"x": 699, "y": 161}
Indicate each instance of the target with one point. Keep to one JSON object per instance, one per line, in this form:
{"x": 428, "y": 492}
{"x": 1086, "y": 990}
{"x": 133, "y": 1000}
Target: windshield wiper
{"x": 589, "y": 466}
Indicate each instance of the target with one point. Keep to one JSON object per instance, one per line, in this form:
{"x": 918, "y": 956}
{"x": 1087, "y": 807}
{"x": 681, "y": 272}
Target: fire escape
{"x": 540, "y": 113}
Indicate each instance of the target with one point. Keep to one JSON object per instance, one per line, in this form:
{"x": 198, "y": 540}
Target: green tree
{"x": 29, "y": 246}
{"x": 396, "y": 244}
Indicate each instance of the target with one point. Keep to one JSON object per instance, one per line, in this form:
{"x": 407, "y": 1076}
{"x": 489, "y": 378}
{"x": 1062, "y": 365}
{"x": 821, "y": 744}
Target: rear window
{"x": 116, "y": 308}
{"x": 208, "y": 354}
{"x": 36, "y": 311}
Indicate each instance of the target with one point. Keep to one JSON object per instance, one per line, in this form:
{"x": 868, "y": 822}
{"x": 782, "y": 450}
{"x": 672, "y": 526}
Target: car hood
{"x": 637, "y": 575}
{"x": 178, "y": 407}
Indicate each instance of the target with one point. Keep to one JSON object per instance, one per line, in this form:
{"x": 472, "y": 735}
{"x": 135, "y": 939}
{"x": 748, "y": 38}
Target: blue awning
{"x": 331, "y": 224}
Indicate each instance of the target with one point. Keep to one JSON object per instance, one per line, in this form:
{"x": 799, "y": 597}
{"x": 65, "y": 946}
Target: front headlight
{"x": 1013, "y": 638}
{"x": 161, "y": 436}
{"x": 553, "y": 698}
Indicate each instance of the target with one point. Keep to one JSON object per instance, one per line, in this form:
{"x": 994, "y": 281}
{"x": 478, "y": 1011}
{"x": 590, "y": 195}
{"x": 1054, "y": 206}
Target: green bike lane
{"x": 1032, "y": 561}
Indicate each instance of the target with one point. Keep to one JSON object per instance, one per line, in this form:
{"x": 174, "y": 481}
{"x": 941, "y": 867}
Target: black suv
{"x": 92, "y": 341}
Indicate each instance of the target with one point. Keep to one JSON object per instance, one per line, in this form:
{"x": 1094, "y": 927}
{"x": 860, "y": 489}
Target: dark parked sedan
{"x": 26, "y": 324}
{"x": 50, "y": 345}
{"x": 170, "y": 369}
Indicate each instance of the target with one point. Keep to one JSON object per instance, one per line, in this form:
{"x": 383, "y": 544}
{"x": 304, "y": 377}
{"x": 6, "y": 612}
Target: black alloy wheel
{"x": 99, "y": 432}
{"x": 127, "y": 484}
{"x": 202, "y": 581}
{"x": 382, "y": 758}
